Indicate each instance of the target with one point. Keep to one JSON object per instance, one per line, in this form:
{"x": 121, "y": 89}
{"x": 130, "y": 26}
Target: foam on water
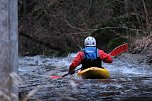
{"x": 127, "y": 79}
{"x": 117, "y": 66}
{"x": 124, "y": 68}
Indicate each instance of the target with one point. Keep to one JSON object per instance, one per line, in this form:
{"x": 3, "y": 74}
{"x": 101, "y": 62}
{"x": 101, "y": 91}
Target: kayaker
{"x": 89, "y": 56}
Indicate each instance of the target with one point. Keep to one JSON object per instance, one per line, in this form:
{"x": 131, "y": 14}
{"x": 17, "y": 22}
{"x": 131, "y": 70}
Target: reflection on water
{"x": 128, "y": 81}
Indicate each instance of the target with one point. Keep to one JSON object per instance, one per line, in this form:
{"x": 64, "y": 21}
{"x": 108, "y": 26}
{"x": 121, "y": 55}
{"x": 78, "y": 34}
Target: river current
{"x": 130, "y": 81}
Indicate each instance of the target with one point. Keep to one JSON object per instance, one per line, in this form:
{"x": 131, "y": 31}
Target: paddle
{"x": 56, "y": 77}
{"x": 118, "y": 50}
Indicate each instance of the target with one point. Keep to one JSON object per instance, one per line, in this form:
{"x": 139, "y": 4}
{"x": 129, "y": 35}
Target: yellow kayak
{"x": 94, "y": 73}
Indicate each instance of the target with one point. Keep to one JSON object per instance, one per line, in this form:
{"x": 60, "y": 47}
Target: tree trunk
{"x": 146, "y": 15}
{"x": 8, "y": 49}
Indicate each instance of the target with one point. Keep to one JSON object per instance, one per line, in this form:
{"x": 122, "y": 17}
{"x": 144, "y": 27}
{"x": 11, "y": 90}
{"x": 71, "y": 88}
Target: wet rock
{"x": 143, "y": 46}
{"x": 149, "y": 60}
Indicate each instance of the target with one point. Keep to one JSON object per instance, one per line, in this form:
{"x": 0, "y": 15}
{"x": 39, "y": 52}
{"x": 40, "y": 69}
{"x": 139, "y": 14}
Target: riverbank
{"x": 141, "y": 49}
{"x": 135, "y": 58}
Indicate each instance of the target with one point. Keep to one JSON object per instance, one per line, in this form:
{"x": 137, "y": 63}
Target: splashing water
{"x": 128, "y": 81}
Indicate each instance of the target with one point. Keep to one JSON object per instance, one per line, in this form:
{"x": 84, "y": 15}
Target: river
{"x": 130, "y": 80}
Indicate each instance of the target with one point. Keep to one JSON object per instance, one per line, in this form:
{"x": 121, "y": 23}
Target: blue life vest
{"x": 91, "y": 53}
{"x": 91, "y": 58}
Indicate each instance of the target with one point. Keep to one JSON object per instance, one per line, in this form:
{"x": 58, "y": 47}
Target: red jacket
{"x": 79, "y": 58}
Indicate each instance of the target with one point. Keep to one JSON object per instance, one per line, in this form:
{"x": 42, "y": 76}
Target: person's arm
{"x": 105, "y": 57}
{"x": 77, "y": 61}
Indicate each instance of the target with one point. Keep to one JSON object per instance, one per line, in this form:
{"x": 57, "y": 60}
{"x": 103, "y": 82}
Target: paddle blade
{"x": 120, "y": 49}
{"x": 55, "y": 77}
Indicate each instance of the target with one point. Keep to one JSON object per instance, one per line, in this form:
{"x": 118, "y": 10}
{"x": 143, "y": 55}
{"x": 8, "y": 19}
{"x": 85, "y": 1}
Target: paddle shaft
{"x": 69, "y": 73}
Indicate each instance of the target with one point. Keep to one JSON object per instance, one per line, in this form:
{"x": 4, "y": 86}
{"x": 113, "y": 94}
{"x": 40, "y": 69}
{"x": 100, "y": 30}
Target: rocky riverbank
{"x": 142, "y": 48}
{"x": 135, "y": 58}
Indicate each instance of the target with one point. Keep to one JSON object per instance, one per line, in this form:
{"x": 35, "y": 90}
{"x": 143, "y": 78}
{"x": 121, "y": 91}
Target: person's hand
{"x": 72, "y": 71}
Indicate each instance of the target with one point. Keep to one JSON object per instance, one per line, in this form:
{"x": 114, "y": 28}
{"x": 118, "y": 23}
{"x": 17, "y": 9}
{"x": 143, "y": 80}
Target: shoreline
{"x": 140, "y": 59}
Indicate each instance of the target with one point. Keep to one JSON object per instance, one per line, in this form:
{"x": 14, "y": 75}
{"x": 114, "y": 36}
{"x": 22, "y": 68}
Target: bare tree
{"x": 146, "y": 15}
{"x": 8, "y": 50}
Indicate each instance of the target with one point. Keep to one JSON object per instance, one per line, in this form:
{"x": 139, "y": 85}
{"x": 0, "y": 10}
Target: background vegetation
{"x": 57, "y": 27}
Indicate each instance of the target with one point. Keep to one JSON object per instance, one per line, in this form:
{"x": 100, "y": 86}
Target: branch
{"x": 146, "y": 14}
{"x": 42, "y": 43}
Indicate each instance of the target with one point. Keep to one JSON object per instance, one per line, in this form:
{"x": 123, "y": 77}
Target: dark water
{"x": 130, "y": 81}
